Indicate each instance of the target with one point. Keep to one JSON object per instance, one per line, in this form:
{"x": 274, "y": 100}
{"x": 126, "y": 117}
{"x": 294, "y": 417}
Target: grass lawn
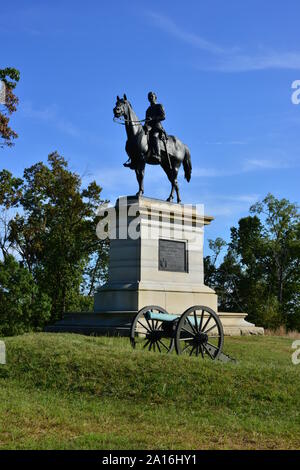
{"x": 64, "y": 391}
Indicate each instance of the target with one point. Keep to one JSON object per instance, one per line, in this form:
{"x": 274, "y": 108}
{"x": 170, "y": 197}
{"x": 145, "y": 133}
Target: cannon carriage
{"x": 197, "y": 332}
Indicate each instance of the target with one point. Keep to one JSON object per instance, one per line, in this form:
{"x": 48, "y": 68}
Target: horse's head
{"x": 121, "y": 108}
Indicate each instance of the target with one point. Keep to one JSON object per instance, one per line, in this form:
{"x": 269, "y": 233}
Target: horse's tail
{"x": 187, "y": 164}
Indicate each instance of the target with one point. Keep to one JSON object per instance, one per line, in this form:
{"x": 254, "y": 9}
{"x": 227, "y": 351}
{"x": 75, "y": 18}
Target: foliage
{"x": 260, "y": 272}
{"x": 54, "y": 230}
{"x": 9, "y": 78}
{"x": 210, "y": 268}
{"x": 23, "y": 307}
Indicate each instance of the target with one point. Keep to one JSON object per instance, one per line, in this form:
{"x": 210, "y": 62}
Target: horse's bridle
{"x": 121, "y": 120}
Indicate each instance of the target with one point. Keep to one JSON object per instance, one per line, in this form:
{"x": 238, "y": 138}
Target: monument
{"x": 159, "y": 261}
{"x": 156, "y": 247}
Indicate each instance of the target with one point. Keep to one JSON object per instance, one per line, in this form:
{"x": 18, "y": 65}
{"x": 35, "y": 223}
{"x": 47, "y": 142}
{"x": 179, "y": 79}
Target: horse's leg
{"x": 170, "y": 175}
{"x": 175, "y": 187}
{"x": 141, "y": 191}
{"x": 140, "y": 182}
{"x": 140, "y": 178}
{"x": 175, "y": 182}
{"x": 171, "y": 197}
{"x": 177, "y": 190}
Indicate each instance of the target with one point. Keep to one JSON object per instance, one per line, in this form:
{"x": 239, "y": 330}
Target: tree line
{"x": 51, "y": 259}
{"x": 260, "y": 270}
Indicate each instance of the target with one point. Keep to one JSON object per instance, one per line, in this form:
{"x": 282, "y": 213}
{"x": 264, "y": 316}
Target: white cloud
{"x": 168, "y": 25}
{"x": 49, "y": 114}
{"x": 266, "y": 164}
{"x": 229, "y": 142}
{"x": 207, "y": 172}
{"x": 227, "y": 59}
{"x": 245, "y": 198}
{"x": 246, "y": 166}
{"x": 229, "y": 205}
{"x": 222, "y": 210}
{"x": 259, "y": 61}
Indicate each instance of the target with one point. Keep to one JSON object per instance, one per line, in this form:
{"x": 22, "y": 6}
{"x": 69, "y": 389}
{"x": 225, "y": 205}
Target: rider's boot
{"x": 127, "y": 163}
{"x": 156, "y": 150}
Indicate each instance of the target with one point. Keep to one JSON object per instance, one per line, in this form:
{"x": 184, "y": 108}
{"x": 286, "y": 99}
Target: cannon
{"x": 197, "y": 332}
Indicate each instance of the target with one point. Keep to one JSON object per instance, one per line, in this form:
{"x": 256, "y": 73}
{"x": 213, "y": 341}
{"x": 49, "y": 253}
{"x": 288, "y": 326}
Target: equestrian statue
{"x": 150, "y": 144}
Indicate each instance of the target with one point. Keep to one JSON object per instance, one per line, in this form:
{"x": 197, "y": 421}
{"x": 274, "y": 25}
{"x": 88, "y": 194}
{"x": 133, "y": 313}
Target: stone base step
{"x": 118, "y": 324}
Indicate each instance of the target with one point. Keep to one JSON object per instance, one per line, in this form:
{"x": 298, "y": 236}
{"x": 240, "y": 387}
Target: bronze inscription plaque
{"x": 172, "y": 256}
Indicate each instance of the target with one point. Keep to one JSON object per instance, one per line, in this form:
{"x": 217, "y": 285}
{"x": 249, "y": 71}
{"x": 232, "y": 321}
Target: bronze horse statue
{"x": 173, "y": 151}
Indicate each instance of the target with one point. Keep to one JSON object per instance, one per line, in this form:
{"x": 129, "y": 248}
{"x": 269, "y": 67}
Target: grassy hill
{"x": 67, "y": 391}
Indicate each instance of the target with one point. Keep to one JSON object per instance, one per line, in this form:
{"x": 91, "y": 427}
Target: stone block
{"x": 2, "y": 353}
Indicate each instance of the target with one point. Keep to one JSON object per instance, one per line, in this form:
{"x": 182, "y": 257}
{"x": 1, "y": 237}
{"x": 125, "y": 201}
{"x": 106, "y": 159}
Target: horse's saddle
{"x": 171, "y": 143}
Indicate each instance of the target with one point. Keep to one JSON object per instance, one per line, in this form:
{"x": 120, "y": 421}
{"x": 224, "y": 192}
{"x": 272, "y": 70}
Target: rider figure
{"x": 154, "y": 115}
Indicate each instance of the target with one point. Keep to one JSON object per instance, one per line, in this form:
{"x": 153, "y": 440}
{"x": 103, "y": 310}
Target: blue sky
{"x": 223, "y": 71}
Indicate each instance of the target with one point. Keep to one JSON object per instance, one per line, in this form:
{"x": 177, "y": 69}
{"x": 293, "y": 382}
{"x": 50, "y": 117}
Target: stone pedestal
{"x": 156, "y": 258}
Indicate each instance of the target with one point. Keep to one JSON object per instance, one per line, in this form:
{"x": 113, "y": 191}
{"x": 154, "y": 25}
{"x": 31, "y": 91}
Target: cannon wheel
{"x": 152, "y": 335}
{"x": 199, "y": 332}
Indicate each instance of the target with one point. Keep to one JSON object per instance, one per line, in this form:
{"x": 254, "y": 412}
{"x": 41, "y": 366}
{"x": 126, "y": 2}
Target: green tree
{"x": 260, "y": 273}
{"x": 23, "y": 307}
{"x": 210, "y": 262}
{"x": 55, "y": 232}
{"x": 280, "y": 235}
{"x": 8, "y": 104}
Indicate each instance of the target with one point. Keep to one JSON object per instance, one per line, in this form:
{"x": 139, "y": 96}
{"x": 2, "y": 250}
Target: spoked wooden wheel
{"x": 152, "y": 334}
{"x": 199, "y": 332}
